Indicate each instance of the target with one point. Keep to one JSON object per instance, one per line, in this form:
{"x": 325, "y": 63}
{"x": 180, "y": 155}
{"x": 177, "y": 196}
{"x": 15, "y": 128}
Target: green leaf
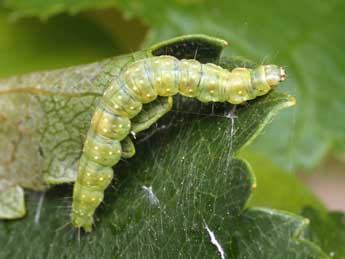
{"x": 278, "y": 189}
{"x": 188, "y": 185}
{"x": 327, "y": 230}
{"x": 26, "y": 46}
{"x": 14, "y": 205}
{"x": 45, "y": 9}
{"x": 182, "y": 181}
{"x": 29, "y": 45}
{"x": 280, "y": 235}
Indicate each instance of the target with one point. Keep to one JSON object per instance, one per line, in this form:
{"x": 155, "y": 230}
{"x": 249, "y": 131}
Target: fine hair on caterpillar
{"x": 145, "y": 81}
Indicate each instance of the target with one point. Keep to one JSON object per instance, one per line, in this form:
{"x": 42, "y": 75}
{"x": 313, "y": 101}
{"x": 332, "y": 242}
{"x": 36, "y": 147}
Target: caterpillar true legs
{"x": 141, "y": 82}
{"x": 153, "y": 111}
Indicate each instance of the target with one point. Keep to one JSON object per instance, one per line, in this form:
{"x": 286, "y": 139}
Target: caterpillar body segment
{"x": 88, "y": 191}
{"x": 140, "y": 83}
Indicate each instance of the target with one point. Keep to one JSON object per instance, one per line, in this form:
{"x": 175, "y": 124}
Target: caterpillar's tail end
{"x": 82, "y": 222}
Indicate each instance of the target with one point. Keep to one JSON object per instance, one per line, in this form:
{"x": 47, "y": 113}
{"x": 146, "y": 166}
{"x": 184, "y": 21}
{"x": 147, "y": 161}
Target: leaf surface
{"x": 277, "y": 189}
{"x": 182, "y": 181}
{"x": 327, "y": 230}
{"x": 26, "y": 46}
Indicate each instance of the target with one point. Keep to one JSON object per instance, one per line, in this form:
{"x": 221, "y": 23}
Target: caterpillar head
{"x": 267, "y": 77}
{"x": 274, "y": 74}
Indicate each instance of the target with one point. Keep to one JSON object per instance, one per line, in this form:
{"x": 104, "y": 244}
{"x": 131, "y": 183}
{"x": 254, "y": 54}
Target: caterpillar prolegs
{"x": 139, "y": 83}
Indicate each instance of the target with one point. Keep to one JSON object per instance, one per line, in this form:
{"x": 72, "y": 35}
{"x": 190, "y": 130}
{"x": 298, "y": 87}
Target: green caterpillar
{"x": 152, "y": 80}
